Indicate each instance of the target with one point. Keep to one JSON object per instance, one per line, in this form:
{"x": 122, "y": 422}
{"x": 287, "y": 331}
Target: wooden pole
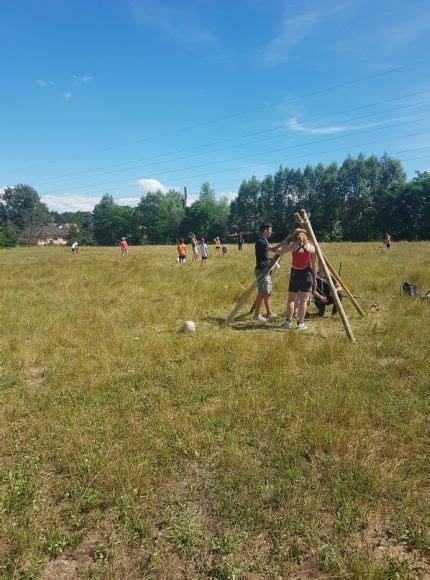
{"x": 246, "y": 295}
{"x": 322, "y": 262}
{"x": 345, "y": 288}
{"x": 299, "y": 220}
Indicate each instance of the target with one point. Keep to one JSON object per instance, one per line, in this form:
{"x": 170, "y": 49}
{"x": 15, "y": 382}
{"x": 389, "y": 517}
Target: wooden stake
{"x": 246, "y": 295}
{"x": 322, "y": 261}
{"x": 345, "y": 288}
{"x": 298, "y": 219}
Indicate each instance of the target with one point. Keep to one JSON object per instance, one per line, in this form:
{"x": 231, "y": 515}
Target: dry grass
{"x": 132, "y": 450}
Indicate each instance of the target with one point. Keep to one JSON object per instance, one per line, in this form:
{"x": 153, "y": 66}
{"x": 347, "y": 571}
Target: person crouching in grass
{"x": 322, "y": 293}
{"x": 182, "y": 251}
{"x": 262, "y": 249}
{"x": 303, "y": 276}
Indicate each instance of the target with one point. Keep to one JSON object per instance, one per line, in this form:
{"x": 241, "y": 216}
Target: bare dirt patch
{"x": 60, "y": 569}
{"x": 386, "y": 544}
{"x": 34, "y": 377}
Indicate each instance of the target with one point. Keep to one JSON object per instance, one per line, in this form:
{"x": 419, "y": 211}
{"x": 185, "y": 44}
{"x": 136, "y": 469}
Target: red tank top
{"x": 301, "y": 260}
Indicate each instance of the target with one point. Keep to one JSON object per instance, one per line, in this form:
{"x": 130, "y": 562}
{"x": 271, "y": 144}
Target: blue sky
{"x": 121, "y": 96}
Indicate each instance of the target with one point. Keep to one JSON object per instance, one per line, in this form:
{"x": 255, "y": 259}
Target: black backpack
{"x": 409, "y": 289}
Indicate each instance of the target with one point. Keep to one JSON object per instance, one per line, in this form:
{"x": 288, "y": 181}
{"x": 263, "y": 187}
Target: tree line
{"x": 359, "y": 200}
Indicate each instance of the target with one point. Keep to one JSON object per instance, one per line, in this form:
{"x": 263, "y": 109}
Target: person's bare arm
{"x": 281, "y": 248}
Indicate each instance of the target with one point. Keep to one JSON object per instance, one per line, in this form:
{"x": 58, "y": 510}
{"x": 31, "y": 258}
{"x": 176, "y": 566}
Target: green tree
{"x": 111, "y": 221}
{"x": 25, "y": 210}
{"x": 8, "y": 235}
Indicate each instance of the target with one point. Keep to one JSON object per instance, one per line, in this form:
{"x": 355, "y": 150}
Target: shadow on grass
{"x": 221, "y": 319}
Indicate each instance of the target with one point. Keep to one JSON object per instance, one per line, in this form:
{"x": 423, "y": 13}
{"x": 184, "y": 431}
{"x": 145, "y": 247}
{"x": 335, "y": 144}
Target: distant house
{"x": 50, "y": 234}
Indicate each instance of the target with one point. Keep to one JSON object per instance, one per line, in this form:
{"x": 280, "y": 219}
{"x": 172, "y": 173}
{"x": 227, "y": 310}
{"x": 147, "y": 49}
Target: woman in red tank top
{"x": 303, "y": 276}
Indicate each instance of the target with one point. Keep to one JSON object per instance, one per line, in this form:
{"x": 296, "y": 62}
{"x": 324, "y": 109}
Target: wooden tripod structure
{"x": 302, "y": 220}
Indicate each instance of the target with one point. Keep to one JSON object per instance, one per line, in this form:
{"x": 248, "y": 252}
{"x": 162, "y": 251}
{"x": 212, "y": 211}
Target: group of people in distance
{"x": 195, "y": 244}
{"x": 304, "y": 278}
{"x": 122, "y": 245}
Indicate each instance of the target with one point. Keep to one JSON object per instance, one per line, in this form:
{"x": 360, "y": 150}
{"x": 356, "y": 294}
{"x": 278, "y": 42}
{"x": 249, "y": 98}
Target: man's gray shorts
{"x": 265, "y": 286}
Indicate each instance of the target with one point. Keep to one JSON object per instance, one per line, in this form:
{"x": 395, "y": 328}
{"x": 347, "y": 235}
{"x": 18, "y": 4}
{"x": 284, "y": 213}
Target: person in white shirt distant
{"x": 75, "y": 247}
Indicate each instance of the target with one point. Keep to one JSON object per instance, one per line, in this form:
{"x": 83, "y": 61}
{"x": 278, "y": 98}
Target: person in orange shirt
{"x": 124, "y": 247}
{"x": 182, "y": 251}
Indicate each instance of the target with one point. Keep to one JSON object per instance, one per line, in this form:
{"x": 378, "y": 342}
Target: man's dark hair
{"x": 265, "y": 226}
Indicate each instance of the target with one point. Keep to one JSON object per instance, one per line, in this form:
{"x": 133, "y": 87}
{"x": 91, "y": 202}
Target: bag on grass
{"x": 409, "y": 289}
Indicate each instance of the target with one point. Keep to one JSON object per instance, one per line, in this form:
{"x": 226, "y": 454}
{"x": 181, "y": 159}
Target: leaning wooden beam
{"x": 246, "y": 295}
{"x": 322, "y": 261}
{"x": 298, "y": 219}
{"x": 345, "y": 288}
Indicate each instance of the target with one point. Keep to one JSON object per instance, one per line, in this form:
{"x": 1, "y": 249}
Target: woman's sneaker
{"x": 272, "y": 316}
{"x": 287, "y": 324}
{"x": 301, "y": 326}
{"x": 260, "y": 318}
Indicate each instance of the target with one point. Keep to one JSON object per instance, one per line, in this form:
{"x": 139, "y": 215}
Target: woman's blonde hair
{"x": 300, "y": 237}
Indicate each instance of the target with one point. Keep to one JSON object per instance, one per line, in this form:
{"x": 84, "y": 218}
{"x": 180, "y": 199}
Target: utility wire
{"x": 98, "y": 185}
{"x": 263, "y": 131}
{"x": 238, "y": 114}
{"x": 69, "y": 177}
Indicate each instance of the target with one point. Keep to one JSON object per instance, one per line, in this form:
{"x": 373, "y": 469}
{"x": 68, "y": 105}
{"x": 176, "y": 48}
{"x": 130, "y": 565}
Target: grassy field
{"x": 130, "y": 450}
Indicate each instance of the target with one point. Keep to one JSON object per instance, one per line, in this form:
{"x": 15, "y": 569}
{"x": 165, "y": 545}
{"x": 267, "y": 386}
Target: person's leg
{"x": 303, "y": 306}
{"x": 257, "y": 304}
{"x": 290, "y": 305}
{"x": 321, "y": 307}
{"x": 334, "y": 310}
{"x": 266, "y": 298}
{"x": 296, "y": 305}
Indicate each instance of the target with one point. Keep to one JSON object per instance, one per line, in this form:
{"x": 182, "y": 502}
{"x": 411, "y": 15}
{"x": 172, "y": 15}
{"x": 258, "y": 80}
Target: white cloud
{"x": 181, "y": 23}
{"x": 230, "y": 195}
{"x": 67, "y": 95}
{"x": 192, "y": 198}
{"x": 294, "y": 125}
{"x": 71, "y": 202}
{"x": 44, "y": 84}
{"x": 82, "y": 80}
{"x": 151, "y": 186}
{"x": 294, "y": 30}
{"x": 132, "y": 201}
{"x": 300, "y": 20}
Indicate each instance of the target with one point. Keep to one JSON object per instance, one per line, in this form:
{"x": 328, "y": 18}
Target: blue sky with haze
{"x": 127, "y": 96}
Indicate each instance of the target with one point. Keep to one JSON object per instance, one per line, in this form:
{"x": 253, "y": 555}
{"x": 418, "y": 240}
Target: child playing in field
{"x": 204, "y": 251}
{"x": 124, "y": 247}
{"x": 193, "y": 240}
{"x": 217, "y": 245}
{"x": 75, "y": 247}
{"x": 182, "y": 251}
{"x": 224, "y": 251}
{"x": 387, "y": 241}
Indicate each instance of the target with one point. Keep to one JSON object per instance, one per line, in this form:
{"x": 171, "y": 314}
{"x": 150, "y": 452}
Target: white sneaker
{"x": 272, "y": 316}
{"x": 287, "y": 324}
{"x": 260, "y": 318}
{"x": 301, "y": 326}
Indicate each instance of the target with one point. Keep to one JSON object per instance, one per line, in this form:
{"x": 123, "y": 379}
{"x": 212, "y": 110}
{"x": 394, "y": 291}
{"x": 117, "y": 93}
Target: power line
{"x": 239, "y": 113}
{"x": 200, "y": 146}
{"x": 276, "y": 150}
{"x": 91, "y": 173}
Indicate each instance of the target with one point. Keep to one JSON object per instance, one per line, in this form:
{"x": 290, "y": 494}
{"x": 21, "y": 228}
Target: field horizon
{"x": 131, "y": 449}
